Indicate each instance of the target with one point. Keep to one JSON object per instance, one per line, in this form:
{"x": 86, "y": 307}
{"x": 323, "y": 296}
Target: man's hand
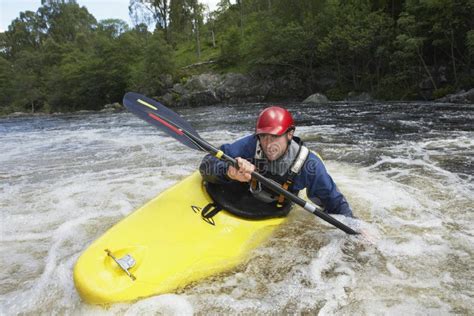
{"x": 243, "y": 174}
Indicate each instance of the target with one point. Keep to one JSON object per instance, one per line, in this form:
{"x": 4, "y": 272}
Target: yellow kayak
{"x": 165, "y": 245}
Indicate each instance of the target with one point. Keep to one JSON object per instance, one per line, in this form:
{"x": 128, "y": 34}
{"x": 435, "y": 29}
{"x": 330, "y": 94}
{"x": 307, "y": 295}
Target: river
{"x": 406, "y": 169}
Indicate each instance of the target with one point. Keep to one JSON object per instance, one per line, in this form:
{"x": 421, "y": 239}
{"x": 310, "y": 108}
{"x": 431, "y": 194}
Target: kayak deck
{"x": 165, "y": 245}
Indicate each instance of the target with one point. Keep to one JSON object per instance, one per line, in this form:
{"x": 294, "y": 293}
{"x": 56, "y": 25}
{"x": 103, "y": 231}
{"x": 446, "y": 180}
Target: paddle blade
{"x": 161, "y": 117}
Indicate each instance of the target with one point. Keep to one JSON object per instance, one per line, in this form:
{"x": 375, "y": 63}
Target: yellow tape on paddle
{"x": 147, "y": 104}
{"x": 219, "y": 154}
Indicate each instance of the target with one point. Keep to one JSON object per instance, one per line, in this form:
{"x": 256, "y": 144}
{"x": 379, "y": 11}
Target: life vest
{"x": 282, "y": 171}
{"x": 254, "y": 200}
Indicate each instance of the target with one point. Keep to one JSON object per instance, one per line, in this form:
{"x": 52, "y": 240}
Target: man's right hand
{"x": 244, "y": 173}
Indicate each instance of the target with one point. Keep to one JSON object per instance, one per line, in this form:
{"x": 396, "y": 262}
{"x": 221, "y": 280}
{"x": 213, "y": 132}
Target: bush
{"x": 336, "y": 94}
{"x": 444, "y": 91}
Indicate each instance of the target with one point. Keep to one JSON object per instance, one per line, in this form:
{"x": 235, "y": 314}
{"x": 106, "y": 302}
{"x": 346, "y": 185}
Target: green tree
{"x": 151, "y": 12}
{"x": 27, "y": 79}
{"x": 180, "y": 21}
{"x": 355, "y": 44}
{"x": 149, "y": 74}
{"x": 230, "y": 47}
{"x": 113, "y": 27}
{"x": 6, "y": 86}
{"x": 64, "y": 20}
{"x": 470, "y": 42}
{"x": 24, "y": 33}
{"x": 197, "y": 22}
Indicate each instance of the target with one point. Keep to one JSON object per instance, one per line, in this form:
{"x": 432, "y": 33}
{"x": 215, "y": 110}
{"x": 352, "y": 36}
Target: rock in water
{"x": 459, "y": 97}
{"x": 316, "y": 98}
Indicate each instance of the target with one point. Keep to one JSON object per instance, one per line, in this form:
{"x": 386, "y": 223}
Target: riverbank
{"x": 233, "y": 88}
{"x": 236, "y": 88}
{"x": 108, "y": 108}
{"x": 210, "y": 89}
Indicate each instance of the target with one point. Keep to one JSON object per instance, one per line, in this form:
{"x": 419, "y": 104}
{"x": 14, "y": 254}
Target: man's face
{"x": 274, "y": 146}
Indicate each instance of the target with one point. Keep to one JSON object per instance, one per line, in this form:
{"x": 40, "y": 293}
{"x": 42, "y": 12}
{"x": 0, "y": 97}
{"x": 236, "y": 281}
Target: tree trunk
{"x": 213, "y": 39}
{"x": 426, "y": 68}
{"x": 354, "y": 73}
{"x": 198, "y": 40}
{"x": 241, "y": 2}
{"x": 453, "y": 58}
{"x": 338, "y": 72}
{"x": 165, "y": 19}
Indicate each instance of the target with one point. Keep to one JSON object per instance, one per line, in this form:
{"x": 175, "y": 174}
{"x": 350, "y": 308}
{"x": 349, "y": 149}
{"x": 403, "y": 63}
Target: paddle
{"x": 175, "y": 126}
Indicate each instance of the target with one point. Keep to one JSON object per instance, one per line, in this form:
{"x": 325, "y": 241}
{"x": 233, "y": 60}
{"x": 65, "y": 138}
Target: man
{"x": 277, "y": 154}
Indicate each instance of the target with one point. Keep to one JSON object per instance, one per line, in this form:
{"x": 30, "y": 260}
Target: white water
{"x": 65, "y": 180}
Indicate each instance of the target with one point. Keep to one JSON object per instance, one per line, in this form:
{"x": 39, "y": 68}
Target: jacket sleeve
{"x": 321, "y": 188}
{"x": 215, "y": 170}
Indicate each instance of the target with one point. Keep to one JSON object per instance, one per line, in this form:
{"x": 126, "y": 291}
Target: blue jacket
{"x": 313, "y": 176}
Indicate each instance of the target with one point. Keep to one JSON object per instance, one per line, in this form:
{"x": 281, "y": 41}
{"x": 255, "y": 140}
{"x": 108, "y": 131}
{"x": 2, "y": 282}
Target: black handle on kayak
{"x": 175, "y": 126}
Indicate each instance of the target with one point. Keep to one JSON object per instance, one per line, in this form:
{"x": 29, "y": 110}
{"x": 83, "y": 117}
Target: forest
{"x": 61, "y": 59}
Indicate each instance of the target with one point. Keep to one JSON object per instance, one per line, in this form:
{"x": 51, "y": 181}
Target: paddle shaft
{"x": 308, "y": 206}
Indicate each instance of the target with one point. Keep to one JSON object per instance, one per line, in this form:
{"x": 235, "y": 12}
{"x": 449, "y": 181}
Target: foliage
{"x": 148, "y": 74}
{"x": 439, "y": 93}
{"x": 60, "y": 58}
{"x": 230, "y": 47}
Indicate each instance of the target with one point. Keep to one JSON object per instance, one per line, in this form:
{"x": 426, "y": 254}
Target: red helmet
{"x": 274, "y": 120}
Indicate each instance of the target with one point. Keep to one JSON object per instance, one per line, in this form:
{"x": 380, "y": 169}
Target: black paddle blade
{"x": 160, "y": 116}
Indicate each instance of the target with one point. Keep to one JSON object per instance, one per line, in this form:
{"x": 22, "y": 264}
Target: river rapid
{"x": 405, "y": 168}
